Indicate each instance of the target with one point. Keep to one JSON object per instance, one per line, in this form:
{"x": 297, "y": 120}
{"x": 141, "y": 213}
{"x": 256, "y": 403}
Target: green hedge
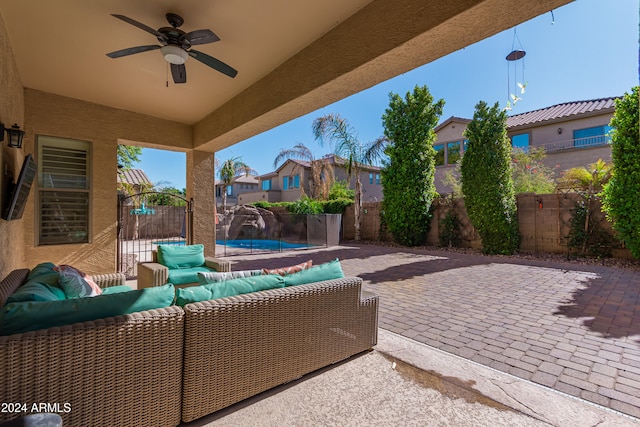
{"x": 336, "y": 206}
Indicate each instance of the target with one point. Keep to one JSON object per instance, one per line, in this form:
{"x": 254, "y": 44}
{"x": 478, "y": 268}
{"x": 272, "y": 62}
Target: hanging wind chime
{"x": 514, "y": 59}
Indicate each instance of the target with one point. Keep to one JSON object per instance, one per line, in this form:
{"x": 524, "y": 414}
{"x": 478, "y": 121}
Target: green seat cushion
{"x": 181, "y": 256}
{"x": 116, "y": 289}
{"x": 21, "y": 317}
{"x": 33, "y": 290}
{"x": 328, "y": 271}
{"x": 228, "y": 288}
{"x": 181, "y": 276}
{"x": 215, "y": 276}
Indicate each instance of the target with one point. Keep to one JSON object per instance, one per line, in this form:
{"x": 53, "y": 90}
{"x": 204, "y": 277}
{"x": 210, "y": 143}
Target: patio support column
{"x": 200, "y": 187}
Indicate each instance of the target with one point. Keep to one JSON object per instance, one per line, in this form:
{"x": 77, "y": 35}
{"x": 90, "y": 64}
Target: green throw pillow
{"x": 33, "y": 315}
{"x": 328, "y": 271}
{"x": 181, "y": 256}
{"x": 228, "y": 288}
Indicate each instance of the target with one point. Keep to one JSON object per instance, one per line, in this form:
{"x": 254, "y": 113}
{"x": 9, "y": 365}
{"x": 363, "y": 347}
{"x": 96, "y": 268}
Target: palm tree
{"x": 588, "y": 182}
{"x": 336, "y": 131}
{"x": 322, "y": 176}
{"x": 229, "y": 171}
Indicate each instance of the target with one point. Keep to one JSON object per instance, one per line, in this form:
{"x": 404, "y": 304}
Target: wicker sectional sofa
{"x": 160, "y": 367}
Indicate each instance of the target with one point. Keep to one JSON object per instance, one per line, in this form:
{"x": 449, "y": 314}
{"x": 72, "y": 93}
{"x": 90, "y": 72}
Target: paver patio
{"x": 571, "y": 327}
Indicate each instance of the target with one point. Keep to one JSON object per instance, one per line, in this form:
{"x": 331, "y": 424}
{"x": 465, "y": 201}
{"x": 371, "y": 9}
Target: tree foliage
{"x": 407, "y": 178}
{"x": 166, "y": 196}
{"x": 621, "y": 200}
{"x": 128, "y": 155}
{"x": 530, "y": 174}
{"x": 585, "y": 230}
{"x": 588, "y": 180}
{"x": 340, "y": 190}
{"x": 487, "y": 183}
{"x": 337, "y": 131}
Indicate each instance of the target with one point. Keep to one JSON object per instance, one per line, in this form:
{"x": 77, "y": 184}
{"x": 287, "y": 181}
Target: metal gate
{"x": 149, "y": 219}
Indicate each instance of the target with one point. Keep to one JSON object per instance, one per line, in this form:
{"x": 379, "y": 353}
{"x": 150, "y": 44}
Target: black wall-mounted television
{"x": 19, "y": 192}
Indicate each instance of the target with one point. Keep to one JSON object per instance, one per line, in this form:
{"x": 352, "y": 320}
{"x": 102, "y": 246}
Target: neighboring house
{"x": 134, "y": 180}
{"x": 242, "y": 184}
{"x": 572, "y": 134}
{"x": 293, "y": 178}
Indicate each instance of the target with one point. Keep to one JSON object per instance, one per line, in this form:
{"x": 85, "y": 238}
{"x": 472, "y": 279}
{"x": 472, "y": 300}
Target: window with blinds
{"x": 63, "y": 191}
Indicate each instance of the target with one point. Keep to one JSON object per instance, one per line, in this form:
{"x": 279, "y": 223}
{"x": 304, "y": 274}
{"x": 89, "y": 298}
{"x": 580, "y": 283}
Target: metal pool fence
{"x": 241, "y": 234}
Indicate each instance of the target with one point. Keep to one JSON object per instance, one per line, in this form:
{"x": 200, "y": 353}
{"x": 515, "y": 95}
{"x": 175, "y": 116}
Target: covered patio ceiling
{"x": 292, "y": 57}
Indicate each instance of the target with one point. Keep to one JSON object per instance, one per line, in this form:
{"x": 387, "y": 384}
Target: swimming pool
{"x": 267, "y": 245}
{"x": 257, "y": 244}
{"x": 170, "y": 242}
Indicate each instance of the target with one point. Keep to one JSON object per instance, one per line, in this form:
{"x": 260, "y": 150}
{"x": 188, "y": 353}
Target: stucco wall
{"x": 53, "y": 115}
{"x": 11, "y": 111}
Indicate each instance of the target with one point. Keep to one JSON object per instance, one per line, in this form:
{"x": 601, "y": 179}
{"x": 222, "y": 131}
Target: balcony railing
{"x": 590, "y": 141}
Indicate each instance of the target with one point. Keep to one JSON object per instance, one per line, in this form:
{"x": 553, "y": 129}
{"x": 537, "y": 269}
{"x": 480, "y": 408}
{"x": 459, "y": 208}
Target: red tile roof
{"x": 560, "y": 111}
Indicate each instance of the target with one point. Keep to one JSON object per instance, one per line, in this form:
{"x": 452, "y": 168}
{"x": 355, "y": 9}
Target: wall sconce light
{"x": 559, "y": 131}
{"x": 539, "y": 202}
{"x": 14, "y": 133}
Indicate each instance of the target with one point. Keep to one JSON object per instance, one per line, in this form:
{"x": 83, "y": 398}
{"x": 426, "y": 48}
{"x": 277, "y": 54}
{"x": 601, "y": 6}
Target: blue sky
{"x": 587, "y": 49}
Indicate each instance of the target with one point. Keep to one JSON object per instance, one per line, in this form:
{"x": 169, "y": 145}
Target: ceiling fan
{"x": 176, "y": 46}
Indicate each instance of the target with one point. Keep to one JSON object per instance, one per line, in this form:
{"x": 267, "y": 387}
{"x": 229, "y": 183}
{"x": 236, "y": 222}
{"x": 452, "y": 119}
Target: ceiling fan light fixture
{"x": 174, "y": 54}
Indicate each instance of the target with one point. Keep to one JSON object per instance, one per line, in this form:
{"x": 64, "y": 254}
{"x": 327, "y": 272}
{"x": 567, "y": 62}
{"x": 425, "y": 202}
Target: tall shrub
{"x": 621, "y": 201}
{"x": 487, "y": 183}
{"x": 407, "y": 177}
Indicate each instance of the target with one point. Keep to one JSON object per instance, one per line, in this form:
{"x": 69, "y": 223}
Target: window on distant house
{"x": 370, "y": 178}
{"x": 378, "y": 179}
{"x": 520, "y": 141}
{"x": 266, "y": 185}
{"x": 592, "y": 136}
{"x": 453, "y": 152}
{"x": 291, "y": 182}
{"x": 439, "y": 154}
{"x": 229, "y": 190}
{"x": 63, "y": 191}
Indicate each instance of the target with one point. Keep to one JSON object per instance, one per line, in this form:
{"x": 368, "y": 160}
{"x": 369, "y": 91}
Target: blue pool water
{"x": 171, "y": 242}
{"x": 271, "y": 245}
{"x": 268, "y": 245}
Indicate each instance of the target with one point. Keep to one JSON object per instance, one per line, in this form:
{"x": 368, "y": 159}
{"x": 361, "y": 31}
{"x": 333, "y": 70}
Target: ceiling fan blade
{"x": 214, "y": 63}
{"x": 132, "y": 50}
{"x": 138, "y": 24}
{"x": 179, "y": 73}
{"x": 201, "y": 37}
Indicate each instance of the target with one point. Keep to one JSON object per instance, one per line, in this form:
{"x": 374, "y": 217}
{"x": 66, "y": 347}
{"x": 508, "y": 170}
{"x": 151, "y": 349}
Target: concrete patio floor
{"x": 571, "y": 330}
{"x": 406, "y": 383}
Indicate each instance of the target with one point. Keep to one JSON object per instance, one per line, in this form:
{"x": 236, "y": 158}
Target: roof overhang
{"x": 292, "y": 57}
